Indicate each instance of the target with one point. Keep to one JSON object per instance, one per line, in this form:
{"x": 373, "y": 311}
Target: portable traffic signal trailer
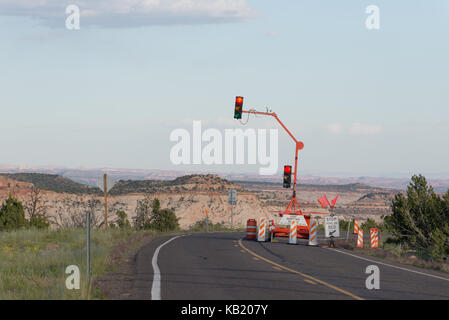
{"x": 293, "y": 210}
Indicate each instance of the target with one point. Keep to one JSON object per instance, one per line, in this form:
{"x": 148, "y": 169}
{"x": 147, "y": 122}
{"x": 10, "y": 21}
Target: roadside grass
{"x": 215, "y": 228}
{"x": 204, "y": 226}
{"x": 33, "y": 262}
{"x": 394, "y": 253}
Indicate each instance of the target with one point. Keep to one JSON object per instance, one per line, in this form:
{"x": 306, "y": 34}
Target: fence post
{"x": 88, "y": 246}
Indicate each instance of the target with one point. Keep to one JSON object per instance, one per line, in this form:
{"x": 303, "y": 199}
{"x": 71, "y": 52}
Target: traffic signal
{"x": 238, "y": 107}
{"x": 287, "y": 176}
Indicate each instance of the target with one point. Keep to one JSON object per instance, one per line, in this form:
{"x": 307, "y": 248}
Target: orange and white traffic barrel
{"x": 251, "y": 229}
{"x": 313, "y": 237}
{"x": 360, "y": 238}
{"x": 374, "y": 237}
{"x": 356, "y": 226}
{"x": 261, "y": 236}
{"x": 293, "y": 232}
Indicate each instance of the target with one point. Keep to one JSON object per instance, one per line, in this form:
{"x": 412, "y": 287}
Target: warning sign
{"x": 287, "y": 219}
{"x": 331, "y": 226}
{"x": 232, "y": 197}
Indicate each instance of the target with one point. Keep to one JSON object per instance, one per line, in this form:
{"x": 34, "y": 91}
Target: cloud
{"x": 355, "y": 128}
{"x": 363, "y": 128}
{"x": 271, "y": 34}
{"x": 335, "y": 128}
{"x": 130, "y": 13}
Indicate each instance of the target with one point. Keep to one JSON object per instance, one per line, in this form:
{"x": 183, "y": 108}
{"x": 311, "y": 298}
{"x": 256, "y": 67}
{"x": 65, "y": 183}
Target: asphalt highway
{"x": 225, "y": 266}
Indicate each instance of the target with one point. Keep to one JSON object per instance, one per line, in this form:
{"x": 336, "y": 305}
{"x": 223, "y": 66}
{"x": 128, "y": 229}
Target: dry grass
{"x": 33, "y": 262}
{"x": 394, "y": 253}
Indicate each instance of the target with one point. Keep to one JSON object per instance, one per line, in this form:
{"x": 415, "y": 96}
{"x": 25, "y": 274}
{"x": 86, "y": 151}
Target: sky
{"x": 364, "y": 102}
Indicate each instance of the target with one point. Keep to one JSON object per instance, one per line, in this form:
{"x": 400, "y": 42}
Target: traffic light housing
{"x": 238, "y": 107}
{"x": 287, "y": 176}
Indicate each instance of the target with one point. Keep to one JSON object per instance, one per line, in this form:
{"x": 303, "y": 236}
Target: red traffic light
{"x": 287, "y": 176}
{"x": 238, "y": 107}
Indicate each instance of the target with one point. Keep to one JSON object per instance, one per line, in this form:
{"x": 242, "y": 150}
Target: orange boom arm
{"x": 293, "y": 207}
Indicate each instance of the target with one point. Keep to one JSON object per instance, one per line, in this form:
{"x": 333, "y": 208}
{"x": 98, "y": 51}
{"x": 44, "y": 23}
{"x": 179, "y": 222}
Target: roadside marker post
{"x": 374, "y": 238}
{"x": 105, "y": 184}
{"x": 313, "y": 241}
{"x": 88, "y": 221}
{"x": 347, "y": 233}
{"x": 232, "y": 202}
{"x": 262, "y": 226}
{"x": 360, "y": 238}
{"x": 293, "y": 232}
{"x": 105, "y": 181}
{"x": 356, "y": 226}
{"x": 271, "y": 229}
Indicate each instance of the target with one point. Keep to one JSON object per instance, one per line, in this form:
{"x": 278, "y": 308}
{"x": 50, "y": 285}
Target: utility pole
{"x": 105, "y": 181}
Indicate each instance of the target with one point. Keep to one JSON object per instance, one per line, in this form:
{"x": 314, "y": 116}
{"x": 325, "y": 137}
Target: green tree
{"x": 344, "y": 225}
{"x": 156, "y": 205}
{"x": 142, "y": 213}
{"x": 149, "y": 215}
{"x": 164, "y": 220}
{"x": 122, "y": 221}
{"x": 420, "y": 219}
{"x": 39, "y": 222}
{"x": 12, "y": 215}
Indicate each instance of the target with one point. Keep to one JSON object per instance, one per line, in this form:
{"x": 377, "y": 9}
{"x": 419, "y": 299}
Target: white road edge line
{"x": 389, "y": 265}
{"x": 156, "y": 287}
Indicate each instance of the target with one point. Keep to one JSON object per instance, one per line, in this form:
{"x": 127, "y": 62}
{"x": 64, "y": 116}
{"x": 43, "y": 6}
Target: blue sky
{"x": 364, "y": 102}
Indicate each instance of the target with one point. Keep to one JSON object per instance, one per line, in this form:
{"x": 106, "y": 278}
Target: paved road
{"x": 225, "y": 266}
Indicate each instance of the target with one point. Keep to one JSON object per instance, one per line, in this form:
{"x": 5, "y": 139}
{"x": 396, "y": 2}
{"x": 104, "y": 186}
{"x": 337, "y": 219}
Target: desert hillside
{"x": 190, "y": 196}
{"x": 189, "y": 183}
{"x": 52, "y": 182}
{"x": 90, "y": 176}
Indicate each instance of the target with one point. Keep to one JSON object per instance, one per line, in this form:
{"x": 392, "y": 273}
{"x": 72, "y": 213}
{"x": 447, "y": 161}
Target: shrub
{"x": 122, "y": 221}
{"x": 420, "y": 219}
{"x": 204, "y": 225}
{"x": 344, "y": 225}
{"x": 164, "y": 220}
{"x": 12, "y": 215}
{"x": 39, "y": 222}
{"x": 142, "y": 213}
{"x": 158, "y": 219}
{"x": 370, "y": 223}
